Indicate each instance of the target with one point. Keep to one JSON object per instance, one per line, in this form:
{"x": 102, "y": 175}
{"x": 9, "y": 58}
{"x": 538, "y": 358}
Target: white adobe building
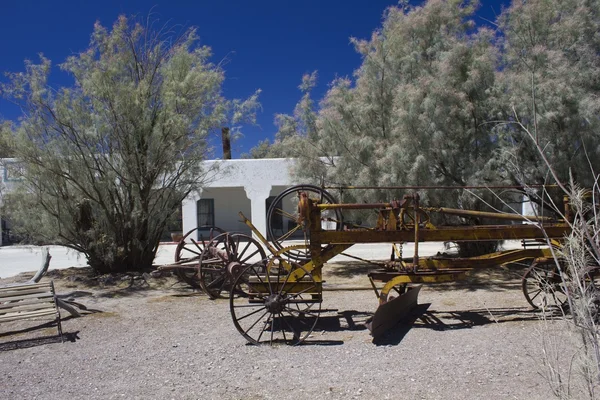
{"x": 239, "y": 185}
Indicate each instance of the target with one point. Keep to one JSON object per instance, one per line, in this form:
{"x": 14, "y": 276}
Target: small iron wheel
{"x": 224, "y": 258}
{"x": 543, "y": 286}
{"x": 407, "y": 219}
{"x": 190, "y": 248}
{"x": 277, "y": 308}
{"x": 396, "y": 291}
{"x": 283, "y": 222}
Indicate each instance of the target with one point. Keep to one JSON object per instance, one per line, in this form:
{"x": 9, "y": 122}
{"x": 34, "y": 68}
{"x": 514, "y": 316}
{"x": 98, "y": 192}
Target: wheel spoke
{"x": 197, "y": 246}
{"x": 229, "y": 248}
{"x": 192, "y": 251}
{"x": 296, "y": 282}
{"x": 256, "y": 322}
{"x": 304, "y": 291}
{"x": 247, "y": 305}
{"x": 235, "y": 245}
{"x": 272, "y": 328}
{"x": 289, "y": 233}
{"x": 225, "y": 281}
{"x": 536, "y": 295}
{"x": 252, "y": 313}
{"x": 214, "y": 281}
{"x": 291, "y": 310}
{"x": 250, "y": 256}
{"x": 286, "y": 214}
{"x": 283, "y": 330}
{"x": 264, "y": 325}
{"x": 296, "y": 334}
{"x": 284, "y": 282}
{"x": 241, "y": 253}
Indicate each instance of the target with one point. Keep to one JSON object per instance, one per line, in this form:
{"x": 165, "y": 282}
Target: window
{"x": 13, "y": 171}
{"x": 276, "y": 218}
{"x": 206, "y": 212}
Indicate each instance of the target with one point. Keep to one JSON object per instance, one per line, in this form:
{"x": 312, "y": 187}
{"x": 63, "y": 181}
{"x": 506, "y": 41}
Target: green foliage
{"x": 5, "y": 133}
{"x": 550, "y": 82}
{"x": 108, "y": 161}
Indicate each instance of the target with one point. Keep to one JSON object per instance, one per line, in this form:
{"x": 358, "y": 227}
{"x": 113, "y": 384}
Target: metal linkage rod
{"x": 438, "y": 187}
{"x": 442, "y": 210}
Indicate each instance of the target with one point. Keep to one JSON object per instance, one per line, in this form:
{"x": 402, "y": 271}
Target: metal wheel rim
{"x": 259, "y": 325}
{"x": 543, "y": 287}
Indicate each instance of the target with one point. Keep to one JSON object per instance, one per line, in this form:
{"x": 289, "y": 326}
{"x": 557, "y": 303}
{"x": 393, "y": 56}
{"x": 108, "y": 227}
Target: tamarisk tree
{"x": 414, "y": 111}
{"x": 107, "y": 162}
{"x": 550, "y": 83}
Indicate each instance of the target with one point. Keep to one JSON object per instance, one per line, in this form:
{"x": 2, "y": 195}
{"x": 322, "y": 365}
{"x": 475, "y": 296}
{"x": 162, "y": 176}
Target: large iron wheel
{"x": 543, "y": 286}
{"x": 281, "y": 307}
{"x": 283, "y": 222}
{"x": 224, "y": 258}
{"x": 189, "y": 250}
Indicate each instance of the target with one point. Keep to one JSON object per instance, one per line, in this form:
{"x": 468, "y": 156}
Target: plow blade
{"x": 390, "y": 313}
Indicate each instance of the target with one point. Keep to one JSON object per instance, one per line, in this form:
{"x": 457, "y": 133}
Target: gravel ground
{"x": 168, "y": 342}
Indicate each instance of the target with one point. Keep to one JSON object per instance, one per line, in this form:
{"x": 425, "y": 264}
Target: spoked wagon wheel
{"x": 282, "y": 265}
{"x": 283, "y": 222}
{"x": 223, "y": 259}
{"x": 543, "y": 286}
{"x": 280, "y": 307}
{"x": 189, "y": 249}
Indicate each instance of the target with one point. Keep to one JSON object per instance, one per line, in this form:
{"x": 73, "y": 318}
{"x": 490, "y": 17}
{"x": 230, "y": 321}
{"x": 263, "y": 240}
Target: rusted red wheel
{"x": 189, "y": 250}
{"x": 543, "y": 285}
{"x": 223, "y": 259}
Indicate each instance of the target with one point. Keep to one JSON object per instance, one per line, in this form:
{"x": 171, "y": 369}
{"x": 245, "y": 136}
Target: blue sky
{"x": 268, "y": 44}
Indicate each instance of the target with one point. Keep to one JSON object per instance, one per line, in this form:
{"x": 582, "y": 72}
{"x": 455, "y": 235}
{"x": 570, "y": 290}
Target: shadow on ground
{"x": 496, "y": 279}
{"x": 37, "y": 341}
{"x": 422, "y": 317}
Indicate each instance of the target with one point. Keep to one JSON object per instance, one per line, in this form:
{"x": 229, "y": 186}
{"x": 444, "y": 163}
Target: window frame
{"x": 210, "y": 214}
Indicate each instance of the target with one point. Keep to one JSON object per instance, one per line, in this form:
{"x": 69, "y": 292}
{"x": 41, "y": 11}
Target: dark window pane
{"x": 206, "y": 212}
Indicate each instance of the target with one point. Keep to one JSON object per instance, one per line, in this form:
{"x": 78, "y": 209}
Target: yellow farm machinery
{"x": 275, "y": 289}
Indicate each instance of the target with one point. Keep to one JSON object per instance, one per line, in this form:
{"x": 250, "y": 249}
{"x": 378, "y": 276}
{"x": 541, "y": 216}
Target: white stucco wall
{"x": 229, "y": 202}
{"x": 7, "y": 179}
{"x": 258, "y": 179}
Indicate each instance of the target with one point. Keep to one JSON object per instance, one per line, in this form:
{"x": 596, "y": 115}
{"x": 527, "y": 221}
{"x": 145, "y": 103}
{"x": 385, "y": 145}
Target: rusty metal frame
{"x": 432, "y": 269}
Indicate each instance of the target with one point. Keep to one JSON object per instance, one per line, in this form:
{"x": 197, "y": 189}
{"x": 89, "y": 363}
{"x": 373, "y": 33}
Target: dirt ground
{"x": 156, "y": 338}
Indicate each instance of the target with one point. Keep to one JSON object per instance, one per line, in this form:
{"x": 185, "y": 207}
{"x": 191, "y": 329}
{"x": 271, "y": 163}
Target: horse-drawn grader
{"x": 275, "y": 289}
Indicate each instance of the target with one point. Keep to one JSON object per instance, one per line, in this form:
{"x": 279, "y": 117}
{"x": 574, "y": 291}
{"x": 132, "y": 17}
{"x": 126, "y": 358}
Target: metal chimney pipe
{"x": 226, "y": 143}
